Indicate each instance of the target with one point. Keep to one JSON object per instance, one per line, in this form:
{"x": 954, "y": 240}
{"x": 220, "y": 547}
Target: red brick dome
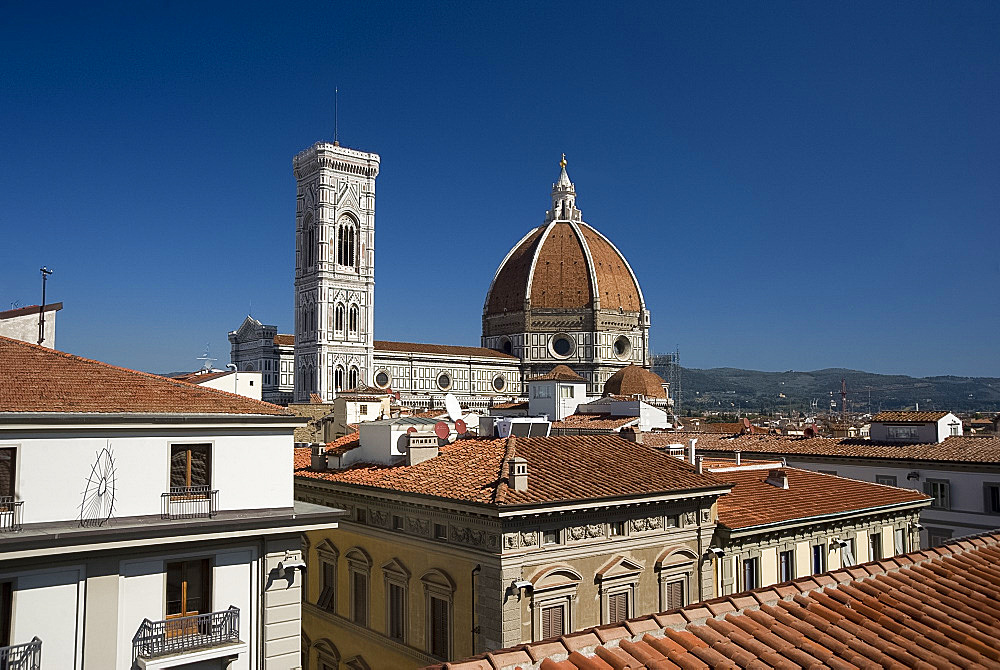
{"x": 632, "y": 380}
{"x": 564, "y": 265}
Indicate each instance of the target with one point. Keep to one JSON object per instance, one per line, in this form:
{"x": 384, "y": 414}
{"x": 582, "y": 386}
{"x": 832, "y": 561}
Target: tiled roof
{"x": 522, "y": 404}
{"x": 752, "y": 502}
{"x": 199, "y": 376}
{"x": 560, "y": 468}
{"x": 30, "y": 309}
{"x": 595, "y": 421}
{"x": 632, "y": 380}
{"x": 38, "y": 379}
{"x": 560, "y": 373}
{"x": 928, "y": 609}
{"x": 288, "y": 340}
{"x": 908, "y": 417}
{"x": 445, "y": 349}
{"x": 550, "y": 268}
{"x": 969, "y": 449}
{"x": 342, "y": 444}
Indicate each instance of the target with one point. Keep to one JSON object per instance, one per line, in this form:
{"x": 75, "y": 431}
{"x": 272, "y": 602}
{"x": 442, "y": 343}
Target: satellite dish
{"x": 411, "y": 429}
{"x": 442, "y": 430}
{"x": 451, "y": 404}
{"x": 461, "y": 427}
{"x": 746, "y": 422}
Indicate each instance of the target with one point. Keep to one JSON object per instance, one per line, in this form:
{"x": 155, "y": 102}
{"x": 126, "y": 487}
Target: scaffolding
{"x": 668, "y": 366}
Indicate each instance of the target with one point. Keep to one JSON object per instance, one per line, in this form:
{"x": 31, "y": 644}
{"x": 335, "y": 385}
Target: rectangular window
{"x": 902, "y": 433}
{"x": 360, "y": 515}
{"x": 885, "y": 480}
{"x": 875, "y": 547}
{"x": 187, "y": 589}
{"x": 397, "y": 522}
{"x": 553, "y": 621}
{"x": 940, "y": 491}
{"x": 673, "y": 520}
{"x": 440, "y": 531}
{"x": 617, "y": 607}
{"x": 956, "y": 429}
{"x": 439, "y": 628}
{"x": 327, "y": 599}
{"x": 363, "y": 409}
{"x": 8, "y": 470}
{"x": 786, "y": 566}
{"x": 190, "y": 465}
{"x": 675, "y": 594}
{"x": 818, "y": 558}
{"x": 750, "y": 574}
{"x": 396, "y": 607}
{"x": 991, "y": 493}
{"x": 550, "y": 537}
{"x": 6, "y": 611}
{"x": 617, "y": 528}
{"x": 847, "y": 553}
{"x": 899, "y": 541}
{"x": 566, "y": 391}
{"x": 359, "y": 610}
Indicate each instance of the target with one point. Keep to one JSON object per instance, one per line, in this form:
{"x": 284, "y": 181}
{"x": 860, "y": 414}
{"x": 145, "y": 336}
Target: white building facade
{"x": 145, "y": 523}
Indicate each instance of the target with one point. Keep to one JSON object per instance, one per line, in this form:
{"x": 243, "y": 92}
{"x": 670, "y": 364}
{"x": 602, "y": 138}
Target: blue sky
{"x": 797, "y": 185}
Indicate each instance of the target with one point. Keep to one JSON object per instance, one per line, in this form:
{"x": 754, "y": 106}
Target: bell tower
{"x": 334, "y": 269}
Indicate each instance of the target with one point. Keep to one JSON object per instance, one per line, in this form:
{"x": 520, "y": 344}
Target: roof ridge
{"x": 149, "y": 375}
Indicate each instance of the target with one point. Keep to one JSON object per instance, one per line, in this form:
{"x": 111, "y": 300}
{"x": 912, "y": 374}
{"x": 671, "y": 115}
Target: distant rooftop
{"x": 908, "y": 417}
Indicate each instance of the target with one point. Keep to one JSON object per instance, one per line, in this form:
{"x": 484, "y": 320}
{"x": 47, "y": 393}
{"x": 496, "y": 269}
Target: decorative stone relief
{"x": 511, "y": 540}
{"x": 595, "y": 530}
{"x": 577, "y": 532}
{"x": 529, "y": 539}
{"x": 468, "y": 536}
{"x": 689, "y": 518}
{"x": 648, "y": 523}
{"x": 706, "y": 514}
{"x": 419, "y": 526}
{"x": 380, "y": 518}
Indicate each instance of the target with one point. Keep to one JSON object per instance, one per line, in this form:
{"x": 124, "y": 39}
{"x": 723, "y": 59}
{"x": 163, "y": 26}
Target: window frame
{"x": 438, "y": 585}
{"x": 209, "y": 467}
{"x": 750, "y": 567}
{"x": 359, "y": 565}
{"x": 818, "y": 556}
{"x": 395, "y": 575}
{"x": 887, "y": 480}
{"x": 205, "y": 566}
{"x": 942, "y": 502}
{"x": 13, "y": 451}
{"x": 988, "y": 507}
{"x": 788, "y": 554}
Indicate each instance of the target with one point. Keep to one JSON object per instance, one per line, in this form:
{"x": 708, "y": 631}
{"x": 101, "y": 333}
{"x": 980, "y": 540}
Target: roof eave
{"x": 801, "y": 521}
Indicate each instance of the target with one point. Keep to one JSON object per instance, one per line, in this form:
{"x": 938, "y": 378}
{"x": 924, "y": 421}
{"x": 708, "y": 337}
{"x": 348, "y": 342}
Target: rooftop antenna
{"x": 41, "y": 310}
{"x": 208, "y": 359}
{"x": 336, "y": 116}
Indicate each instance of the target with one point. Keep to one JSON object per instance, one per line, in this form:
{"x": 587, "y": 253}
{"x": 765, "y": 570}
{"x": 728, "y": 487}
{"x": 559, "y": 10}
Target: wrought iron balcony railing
{"x": 10, "y": 514}
{"x": 186, "y": 633}
{"x": 189, "y": 502}
{"x": 27, "y": 656}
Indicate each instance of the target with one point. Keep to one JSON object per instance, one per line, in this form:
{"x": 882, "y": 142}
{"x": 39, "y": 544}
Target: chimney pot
{"x": 778, "y": 478}
{"x": 738, "y": 454}
{"x": 691, "y": 452}
{"x": 517, "y": 473}
{"x": 700, "y": 464}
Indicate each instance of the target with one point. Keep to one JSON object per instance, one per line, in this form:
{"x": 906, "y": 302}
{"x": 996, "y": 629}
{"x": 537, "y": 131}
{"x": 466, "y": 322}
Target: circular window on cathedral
{"x": 444, "y": 381}
{"x": 382, "y": 379}
{"x": 499, "y": 383}
{"x": 623, "y": 347}
{"x": 562, "y": 346}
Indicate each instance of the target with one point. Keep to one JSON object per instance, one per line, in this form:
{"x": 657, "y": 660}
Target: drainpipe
{"x": 236, "y": 377}
{"x": 475, "y": 629}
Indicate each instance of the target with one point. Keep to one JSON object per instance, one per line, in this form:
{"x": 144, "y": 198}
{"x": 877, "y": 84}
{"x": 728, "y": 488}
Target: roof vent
{"x": 421, "y": 447}
{"x": 777, "y": 478}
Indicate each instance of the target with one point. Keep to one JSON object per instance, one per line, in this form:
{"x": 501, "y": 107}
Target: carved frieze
{"x": 706, "y": 514}
{"x": 586, "y": 532}
{"x": 647, "y": 523}
{"x": 379, "y": 518}
{"x": 689, "y": 518}
{"x": 529, "y": 539}
{"x": 511, "y": 540}
{"x": 418, "y": 526}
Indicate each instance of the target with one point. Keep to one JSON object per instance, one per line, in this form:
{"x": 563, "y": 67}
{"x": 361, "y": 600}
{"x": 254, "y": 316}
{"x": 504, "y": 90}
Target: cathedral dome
{"x": 564, "y": 264}
{"x": 634, "y": 380}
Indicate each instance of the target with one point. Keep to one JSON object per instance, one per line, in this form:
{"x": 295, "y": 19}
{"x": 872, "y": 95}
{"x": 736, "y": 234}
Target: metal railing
{"x": 27, "y": 656}
{"x": 189, "y": 502}
{"x": 10, "y": 513}
{"x": 186, "y": 633}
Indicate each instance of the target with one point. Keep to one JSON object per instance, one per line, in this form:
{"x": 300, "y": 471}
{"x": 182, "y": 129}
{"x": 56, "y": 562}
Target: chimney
{"x": 318, "y": 452}
{"x": 699, "y": 464}
{"x": 690, "y": 453}
{"x": 632, "y": 434}
{"x": 517, "y": 473}
{"x": 421, "y": 448}
{"x": 738, "y": 454}
{"x": 777, "y": 478}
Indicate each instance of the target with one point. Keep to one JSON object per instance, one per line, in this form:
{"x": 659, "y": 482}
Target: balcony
{"x": 188, "y": 635}
{"x": 189, "y": 502}
{"x": 10, "y": 514}
{"x": 27, "y": 656}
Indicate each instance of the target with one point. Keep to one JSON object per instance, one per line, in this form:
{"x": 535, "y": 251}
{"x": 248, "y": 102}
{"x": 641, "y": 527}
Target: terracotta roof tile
{"x": 634, "y": 380}
{"x": 908, "y": 417}
{"x": 38, "y": 379}
{"x": 560, "y": 468}
{"x": 286, "y": 340}
{"x": 560, "y": 373}
{"x": 970, "y": 449}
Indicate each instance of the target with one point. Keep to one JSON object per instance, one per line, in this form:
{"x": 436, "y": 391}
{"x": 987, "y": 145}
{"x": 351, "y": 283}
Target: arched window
{"x": 675, "y": 567}
{"x": 347, "y": 233}
{"x": 553, "y": 600}
{"x": 353, "y": 377}
{"x": 327, "y": 654}
{"x": 397, "y": 587}
{"x": 338, "y": 378}
{"x": 439, "y": 594}
{"x": 353, "y": 319}
{"x": 339, "y": 322}
{"x": 359, "y": 566}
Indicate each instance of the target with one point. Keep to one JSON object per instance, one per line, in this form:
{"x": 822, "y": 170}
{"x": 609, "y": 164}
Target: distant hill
{"x": 728, "y": 388}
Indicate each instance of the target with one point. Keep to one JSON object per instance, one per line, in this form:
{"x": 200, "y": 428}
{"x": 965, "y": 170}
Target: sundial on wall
{"x": 99, "y": 495}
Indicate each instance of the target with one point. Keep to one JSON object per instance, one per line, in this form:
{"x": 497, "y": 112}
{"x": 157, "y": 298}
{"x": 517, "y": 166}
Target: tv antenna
{"x": 208, "y": 359}
{"x": 41, "y": 310}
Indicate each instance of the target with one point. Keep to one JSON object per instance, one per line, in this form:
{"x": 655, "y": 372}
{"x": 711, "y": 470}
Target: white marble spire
{"x": 563, "y": 198}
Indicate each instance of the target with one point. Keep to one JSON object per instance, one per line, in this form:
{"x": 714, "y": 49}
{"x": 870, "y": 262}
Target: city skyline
{"x": 795, "y": 188}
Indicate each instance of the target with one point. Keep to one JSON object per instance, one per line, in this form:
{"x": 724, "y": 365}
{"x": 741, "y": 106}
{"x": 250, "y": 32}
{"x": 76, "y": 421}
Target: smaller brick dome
{"x": 632, "y": 380}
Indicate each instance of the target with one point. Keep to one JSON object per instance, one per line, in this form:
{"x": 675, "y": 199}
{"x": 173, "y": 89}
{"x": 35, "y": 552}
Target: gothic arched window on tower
{"x": 352, "y": 378}
{"x": 346, "y": 241}
{"x": 338, "y": 378}
{"x": 310, "y": 246}
{"x": 340, "y": 317}
{"x": 352, "y": 321}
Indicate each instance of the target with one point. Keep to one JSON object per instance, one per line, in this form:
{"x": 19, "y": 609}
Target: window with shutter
{"x": 439, "y": 628}
{"x": 397, "y": 614}
{"x": 327, "y": 601}
{"x": 552, "y": 621}
{"x": 360, "y": 597}
{"x": 675, "y": 594}
{"x": 8, "y": 462}
{"x": 617, "y": 607}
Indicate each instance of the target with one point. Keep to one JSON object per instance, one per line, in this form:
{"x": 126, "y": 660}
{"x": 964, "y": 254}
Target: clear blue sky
{"x": 797, "y": 185}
